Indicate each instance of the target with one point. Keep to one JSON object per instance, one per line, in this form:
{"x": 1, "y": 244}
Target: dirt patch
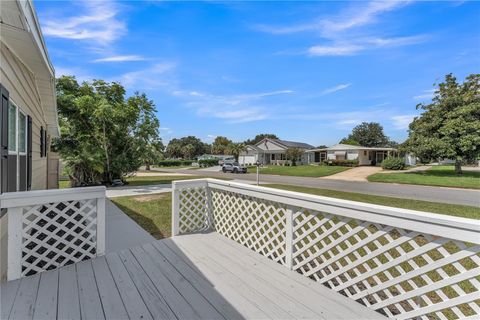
{"x": 150, "y": 197}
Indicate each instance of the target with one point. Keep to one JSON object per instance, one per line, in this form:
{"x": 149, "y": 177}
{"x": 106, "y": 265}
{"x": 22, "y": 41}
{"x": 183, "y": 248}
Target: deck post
{"x": 210, "y": 221}
{"x": 289, "y": 238}
{"x": 14, "y": 230}
{"x": 175, "y": 210}
{"x": 100, "y": 226}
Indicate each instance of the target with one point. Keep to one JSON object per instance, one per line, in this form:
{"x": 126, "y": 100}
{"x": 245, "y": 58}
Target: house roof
{"x": 342, "y": 147}
{"x": 285, "y": 143}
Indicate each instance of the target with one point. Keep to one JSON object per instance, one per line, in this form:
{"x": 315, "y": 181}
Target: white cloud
{"x": 401, "y": 122}
{"x": 236, "y": 108}
{"x": 334, "y": 50}
{"x": 121, "y": 58}
{"x": 346, "y": 32}
{"x": 164, "y": 132}
{"x": 426, "y": 95}
{"x": 98, "y": 22}
{"x": 155, "y": 76}
{"x": 336, "y": 88}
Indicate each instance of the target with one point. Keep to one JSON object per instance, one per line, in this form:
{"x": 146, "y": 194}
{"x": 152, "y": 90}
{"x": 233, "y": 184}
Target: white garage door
{"x": 246, "y": 159}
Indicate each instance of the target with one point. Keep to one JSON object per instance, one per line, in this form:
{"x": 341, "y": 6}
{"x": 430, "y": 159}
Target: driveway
{"x": 354, "y": 174}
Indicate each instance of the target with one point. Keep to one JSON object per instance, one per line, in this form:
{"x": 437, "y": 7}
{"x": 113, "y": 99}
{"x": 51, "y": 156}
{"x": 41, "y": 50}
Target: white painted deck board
{"x": 201, "y": 276}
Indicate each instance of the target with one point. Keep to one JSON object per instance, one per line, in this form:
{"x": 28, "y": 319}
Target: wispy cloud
{"x": 401, "y": 122}
{"x": 346, "y": 33}
{"x": 165, "y": 132}
{"x": 336, "y": 88}
{"x": 425, "y": 95}
{"x": 121, "y": 58}
{"x": 236, "y": 108}
{"x": 98, "y": 22}
{"x": 157, "y": 75}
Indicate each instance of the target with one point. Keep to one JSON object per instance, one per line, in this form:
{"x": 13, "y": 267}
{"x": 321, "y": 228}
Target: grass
{"x": 303, "y": 171}
{"x": 151, "y": 212}
{"x": 443, "y": 176}
{"x": 442, "y": 208}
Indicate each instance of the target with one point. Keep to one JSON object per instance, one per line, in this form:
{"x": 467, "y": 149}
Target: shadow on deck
{"x": 197, "y": 276}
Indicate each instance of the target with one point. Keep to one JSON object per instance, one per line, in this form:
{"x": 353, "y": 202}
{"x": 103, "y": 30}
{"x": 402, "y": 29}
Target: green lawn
{"x": 442, "y": 208}
{"x": 152, "y": 212}
{"x": 444, "y": 176}
{"x": 301, "y": 171}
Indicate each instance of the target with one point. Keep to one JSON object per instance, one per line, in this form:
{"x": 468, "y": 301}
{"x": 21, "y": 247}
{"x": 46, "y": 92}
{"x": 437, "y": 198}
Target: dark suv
{"x": 234, "y": 167}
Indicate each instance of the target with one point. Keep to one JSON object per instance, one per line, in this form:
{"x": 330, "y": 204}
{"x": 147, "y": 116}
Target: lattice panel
{"x": 255, "y": 223}
{"x": 400, "y": 273}
{"x": 193, "y": 215}
{"x": 57, "y": 234}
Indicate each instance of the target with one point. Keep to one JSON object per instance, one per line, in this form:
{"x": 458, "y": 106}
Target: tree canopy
{"x": 220, "y": 145}
{"x": 367, "y": 134}
{"x": 187, "y": 147}
{"x": 260, "y": 137}
{"x": 449, "y": 126}
{"x": 103, "y": 135}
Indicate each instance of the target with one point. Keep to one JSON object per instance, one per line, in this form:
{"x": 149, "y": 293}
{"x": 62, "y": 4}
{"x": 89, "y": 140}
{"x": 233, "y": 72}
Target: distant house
{"x": 365, "y": 155}
{"x": 28, "y": 112}
{"x": 273, "y": 151}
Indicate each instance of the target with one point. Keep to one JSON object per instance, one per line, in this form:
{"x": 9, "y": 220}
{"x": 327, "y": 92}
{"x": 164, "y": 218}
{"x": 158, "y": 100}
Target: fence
{"x": 402, "y": 263}
{"x": 43, "y": 230}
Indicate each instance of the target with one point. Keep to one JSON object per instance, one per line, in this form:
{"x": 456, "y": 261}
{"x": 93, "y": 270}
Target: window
{"x": 272, "y": 156}
{"x": 22, "y": 133}
{"x": 364, "y": 152}
{"x": 12, "y": 127}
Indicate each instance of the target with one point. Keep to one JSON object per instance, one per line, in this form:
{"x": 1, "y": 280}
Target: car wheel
{"x": 224, "y": 171}
{"x": 235, "y": 170}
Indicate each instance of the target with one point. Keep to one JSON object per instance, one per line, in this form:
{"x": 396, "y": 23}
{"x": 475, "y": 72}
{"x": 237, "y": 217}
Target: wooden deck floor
{"x": 201, "y": 276}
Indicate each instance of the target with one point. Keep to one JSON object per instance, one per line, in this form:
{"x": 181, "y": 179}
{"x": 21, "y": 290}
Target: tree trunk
{"x": 458, "y": 166}
{"x": 147, "y": 166}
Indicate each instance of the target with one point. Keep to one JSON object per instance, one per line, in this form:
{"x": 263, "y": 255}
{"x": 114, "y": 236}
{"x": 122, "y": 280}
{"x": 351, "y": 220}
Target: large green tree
{"x": 220, "y": 145}
{"x": 449, "y": 126}
{"x": 100, "y": 135}
{"x": 187, "y": 147}
{"x": 367, "y": 134}
{"x": 235, "y": 149}
{"x": 260, "y": 137}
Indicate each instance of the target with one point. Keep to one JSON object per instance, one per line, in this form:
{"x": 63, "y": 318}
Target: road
{"x": 414, "y": 192}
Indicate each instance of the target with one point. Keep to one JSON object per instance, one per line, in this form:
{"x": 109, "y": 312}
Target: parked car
{"x": 234, "y": 167}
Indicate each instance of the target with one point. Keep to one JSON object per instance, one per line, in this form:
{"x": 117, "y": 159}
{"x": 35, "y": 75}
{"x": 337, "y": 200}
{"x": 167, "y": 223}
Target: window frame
{"x": 22, "y": 153}
{"x": 14, "y": 151}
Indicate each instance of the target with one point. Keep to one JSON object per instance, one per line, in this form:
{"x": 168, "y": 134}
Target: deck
{"x": 197, "y": 276}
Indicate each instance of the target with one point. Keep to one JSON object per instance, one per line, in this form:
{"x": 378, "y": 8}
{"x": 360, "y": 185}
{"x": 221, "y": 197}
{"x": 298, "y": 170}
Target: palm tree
{"x": 235, "y": 149}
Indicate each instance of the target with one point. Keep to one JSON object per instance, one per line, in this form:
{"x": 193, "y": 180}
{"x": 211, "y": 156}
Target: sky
{"x": 305, "y": 71}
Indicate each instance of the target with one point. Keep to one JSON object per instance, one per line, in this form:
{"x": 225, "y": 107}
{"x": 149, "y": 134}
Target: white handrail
{"x": 371, "y": 253}
{"x": 44, "y": 226}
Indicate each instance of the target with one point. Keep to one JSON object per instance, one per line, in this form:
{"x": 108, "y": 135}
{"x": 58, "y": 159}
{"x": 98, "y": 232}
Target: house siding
{"x": 20, "y": 83}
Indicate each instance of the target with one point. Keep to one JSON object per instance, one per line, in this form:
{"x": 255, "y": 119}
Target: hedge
{"x": 208, "y": 163}
{"x": 342, "y": 163}
{"x": 392, "y": 163}
{"x": 174, "y": 163}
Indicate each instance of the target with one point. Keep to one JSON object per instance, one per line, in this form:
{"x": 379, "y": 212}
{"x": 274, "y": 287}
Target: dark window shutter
{"x": 29, "y": 153}
{"x": 45, "y": 142}
{"x": 41, "y": 142}
{"x": 4, "y": 139}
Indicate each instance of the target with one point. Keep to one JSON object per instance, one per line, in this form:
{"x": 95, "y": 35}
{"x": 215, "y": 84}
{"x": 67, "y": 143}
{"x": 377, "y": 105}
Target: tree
{"x": 322, "y": 146}
{"x": 368, "y": 134}
{"x": 100, "y": 130}
{"x": 235, "y": 149}
{"x": 294, "y": 154}
{"x": 449, "y": 126}
{"x": 149, "y": 144}
{"x": 349, "y": 141}
{"x": 220, "y": 145}
{"x": 260, "y": 137}
{"x": 177, "y": 148}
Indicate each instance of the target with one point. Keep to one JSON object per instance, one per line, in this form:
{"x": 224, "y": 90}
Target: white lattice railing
{"x": 43, "y": 230}
{"x": 405, "y": 264}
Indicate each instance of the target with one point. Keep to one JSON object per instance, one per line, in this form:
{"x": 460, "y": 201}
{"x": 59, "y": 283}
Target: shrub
{"x": 342, "y": 163}
{"x": 208, "y": 163}
{"x": 392, "y": 163}
{"x": 174, "y": 163}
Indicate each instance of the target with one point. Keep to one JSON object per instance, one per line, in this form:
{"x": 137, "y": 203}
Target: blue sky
{"x": 306, "y": 71}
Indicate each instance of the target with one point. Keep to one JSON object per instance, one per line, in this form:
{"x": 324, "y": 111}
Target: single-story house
{"x": 365, "y": 155}
{"x": 273, "y": 151}
{"x": 216, "y": 157}
{"x": 28, "y": 112}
